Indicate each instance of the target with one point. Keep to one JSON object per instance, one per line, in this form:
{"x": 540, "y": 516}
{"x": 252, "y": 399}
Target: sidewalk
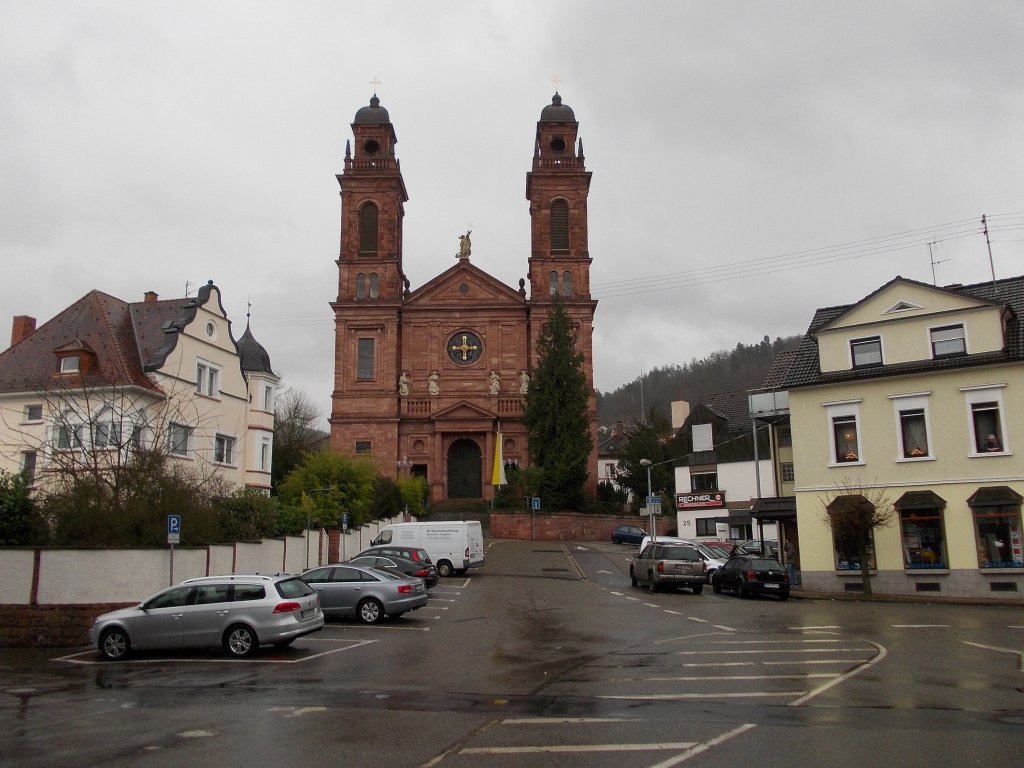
{"x": 800, "y": 593}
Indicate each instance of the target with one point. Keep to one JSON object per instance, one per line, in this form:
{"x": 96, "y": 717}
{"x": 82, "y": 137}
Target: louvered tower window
{"x": 559, "y": 225}
{"x": 368, "y": 229}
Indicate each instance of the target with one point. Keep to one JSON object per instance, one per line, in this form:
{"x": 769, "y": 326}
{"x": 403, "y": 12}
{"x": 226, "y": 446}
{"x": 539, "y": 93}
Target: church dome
{"x": 254, "y": 357}
{"x": 557, "y": 112}
{"x": 374, "y": 114}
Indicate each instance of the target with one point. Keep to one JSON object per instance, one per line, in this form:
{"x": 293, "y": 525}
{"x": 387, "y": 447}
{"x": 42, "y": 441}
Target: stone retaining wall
{"x": 566, "y": 526}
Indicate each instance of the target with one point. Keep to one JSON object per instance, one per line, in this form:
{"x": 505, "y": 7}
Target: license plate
{"x": 309, "y": 612}
{"x": 771, "y": 586}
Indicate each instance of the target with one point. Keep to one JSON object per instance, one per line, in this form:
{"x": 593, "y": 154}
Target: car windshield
{"x": 295, "y": 587}
{"x": 387, "y": 573}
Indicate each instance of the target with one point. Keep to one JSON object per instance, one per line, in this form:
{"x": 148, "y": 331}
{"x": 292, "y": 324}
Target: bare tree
{"x": 295, "y": 433}
{"x": 853, "y": 512}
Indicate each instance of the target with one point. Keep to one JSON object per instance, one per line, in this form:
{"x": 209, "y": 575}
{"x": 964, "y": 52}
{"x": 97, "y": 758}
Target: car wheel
{"x": 652, "y": 586}
{"x": 616, "y": 540}
{"x": 741, "y": 592}
{"x": 241, "y": 641}
{"x": 444, "y": 569}
{"x": 632, "y": 577}
{"x": 371, "y": 611}
{"x": 114, "y": 644}
{"x": 716, "y": 586}
{"x": 698, "y": 588}
{"x": 783, "y": 596}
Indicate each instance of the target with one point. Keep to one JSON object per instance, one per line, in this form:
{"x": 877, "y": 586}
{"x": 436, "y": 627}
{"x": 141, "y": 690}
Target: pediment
{"x": 464, "y": 285}
{"x": 901, "y": 297}
{"x": 463, "y": 411}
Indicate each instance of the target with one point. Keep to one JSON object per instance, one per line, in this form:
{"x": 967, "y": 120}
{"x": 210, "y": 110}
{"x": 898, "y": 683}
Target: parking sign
{"x": 174, "y": 529}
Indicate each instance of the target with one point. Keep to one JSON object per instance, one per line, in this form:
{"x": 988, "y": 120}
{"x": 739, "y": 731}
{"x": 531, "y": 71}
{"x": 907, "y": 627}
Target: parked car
{"x": 629, "y": 534}
{"x": 416, "y": 554}
{"x": 714, "y": 557}
{"x": 661, "y": 565}
{"x": 752, "y": 575}
{"x": 425, "y": 571}
{"x": 238, "y": 613}
{"x": 770, "y": 548}
{"x": 368, "y": 594}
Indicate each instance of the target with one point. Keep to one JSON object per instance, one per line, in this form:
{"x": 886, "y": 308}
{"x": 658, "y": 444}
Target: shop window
{"x": 923, "y": 531}
{"x": 849, "y": 518}
{"x": 997, "y": 527}
{"x": 706, "y": 526}
{"x": 866, "y": 353}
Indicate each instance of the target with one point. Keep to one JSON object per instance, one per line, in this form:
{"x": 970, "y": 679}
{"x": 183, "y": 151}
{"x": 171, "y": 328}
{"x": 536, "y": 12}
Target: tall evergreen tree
{"x": 556, "y": 413}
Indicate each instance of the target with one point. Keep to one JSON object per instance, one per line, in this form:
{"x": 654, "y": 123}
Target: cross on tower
{"x": 465, "y": 348}
{"x": 556, "y": 81}
{"x": 375, "y": 82}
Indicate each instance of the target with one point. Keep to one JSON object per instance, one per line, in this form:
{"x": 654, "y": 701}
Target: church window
{"x": 364, "y": 359}
{"x": 374, "y": 285}
{"x": 361, "y": 286}
{"x": 559, "y": 225}
{"x": 567, "y": 283}
{"x": 364, "y": 446}
{"x": 553, "y": 281}
{"x": 368, "y": 214}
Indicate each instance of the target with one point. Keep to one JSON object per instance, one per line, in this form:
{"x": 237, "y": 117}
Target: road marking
{"x": 773, "y": 650}
{"x": 824, "y": 626}
{"x": 535, "y": 750}
{"x": 842, "y": 678}
{"x": 265, "y": 659}
{"x": 693, "y": 696}
{"x": 806, "y": 661}
{"x": 772, "y": 642}
{"x": 721, "y": 664}
{"x": 920, "y": 626}
{"x": 652, "y": 605}
{"x": 705, "y": 746}
{"x": 674, "y": 613}
{"x": 694, "y": 618}
{"x": 723, "y": 627}
{"x": 739, "y": 677}
{"x": 442, "y": 599}
{"x": 563, "y": 720}
{"x": 619, "y": 594}
{"x": 1000, "y": 650}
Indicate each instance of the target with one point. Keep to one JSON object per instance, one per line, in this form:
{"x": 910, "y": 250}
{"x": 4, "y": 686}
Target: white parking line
{"x": 704, "y": 746}
{"x": 1000, "y": 650}
{"x": 773, "y": 642}
{"x": 694, "y": 618}
{"x": 824, "y": 626}
{"x": 717, "y": 652}
{"x": 920, "y": 626}
{"x": 549, "y": 748}
{"x": 695, "y": 696}
{"x": 723, "y": 627}
{"x": 564, "y": 720}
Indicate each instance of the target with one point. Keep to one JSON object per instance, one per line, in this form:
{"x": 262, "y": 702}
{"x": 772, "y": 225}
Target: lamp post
{"x": 650, "y": 510}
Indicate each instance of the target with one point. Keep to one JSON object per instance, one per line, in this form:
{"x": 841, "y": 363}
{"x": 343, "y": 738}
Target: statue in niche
{"x": 494, "y": 383}
{"x": 403, "y": 384}
{"x": 524, "y": 382}
{"x": 434, "y": 383}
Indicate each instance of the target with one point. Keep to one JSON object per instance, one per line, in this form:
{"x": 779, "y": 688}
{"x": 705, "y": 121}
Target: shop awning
{"x": 919, "y": 500}
{"x": 774, "y": 508}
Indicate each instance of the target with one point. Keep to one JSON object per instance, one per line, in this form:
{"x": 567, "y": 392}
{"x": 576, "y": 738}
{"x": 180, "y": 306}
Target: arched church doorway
{"x": 464, "y": 478}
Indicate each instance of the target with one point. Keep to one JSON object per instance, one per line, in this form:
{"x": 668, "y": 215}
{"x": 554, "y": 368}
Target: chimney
{"x": 150, "y": 296}
{"x": 22, "y": 327}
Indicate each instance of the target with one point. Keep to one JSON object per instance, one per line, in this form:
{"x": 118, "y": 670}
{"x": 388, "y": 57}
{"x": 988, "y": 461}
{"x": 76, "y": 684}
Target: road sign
{"x": 174, "y": 529}
{"x": 344, "y": 521}
{"x": 535, "y": 503}
{"x": 654, "y": 505}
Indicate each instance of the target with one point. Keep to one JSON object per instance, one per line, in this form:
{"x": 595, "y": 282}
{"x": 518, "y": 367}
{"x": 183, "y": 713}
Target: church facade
{"x": 425, "y": 379}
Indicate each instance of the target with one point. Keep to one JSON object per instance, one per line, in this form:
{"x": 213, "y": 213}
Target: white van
{"x": 453, "y": 545}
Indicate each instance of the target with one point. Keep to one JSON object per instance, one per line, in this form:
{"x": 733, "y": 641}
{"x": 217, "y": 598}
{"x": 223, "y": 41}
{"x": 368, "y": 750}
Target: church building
{"x": 425, "y": 379}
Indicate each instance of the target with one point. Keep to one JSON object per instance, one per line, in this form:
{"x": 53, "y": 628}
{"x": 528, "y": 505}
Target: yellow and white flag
{"x": 498, "y": 473}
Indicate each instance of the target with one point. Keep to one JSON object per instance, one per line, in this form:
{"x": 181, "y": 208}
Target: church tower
{"x": 371, "y": 284}
{"x": 557, "y": 188}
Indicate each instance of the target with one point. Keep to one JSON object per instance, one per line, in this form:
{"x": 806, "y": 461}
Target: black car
{"x": 425, "y": 571}
{"x": 629, "y": 534}
{"x": 752, "y": 575}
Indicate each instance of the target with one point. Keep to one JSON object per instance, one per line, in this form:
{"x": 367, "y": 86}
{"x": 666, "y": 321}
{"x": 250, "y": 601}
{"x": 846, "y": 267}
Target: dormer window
{"x": 948, "y": 341}
{"x": 70, "y": 364}
{"x": 866, "y": 353}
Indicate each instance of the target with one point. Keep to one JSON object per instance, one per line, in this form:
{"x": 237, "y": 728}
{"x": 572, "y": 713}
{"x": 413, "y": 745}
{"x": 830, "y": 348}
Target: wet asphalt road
{"x": 547, "y": 657}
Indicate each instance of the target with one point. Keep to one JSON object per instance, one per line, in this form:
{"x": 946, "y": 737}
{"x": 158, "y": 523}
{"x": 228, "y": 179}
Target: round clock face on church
{"x": 464, "y": 348}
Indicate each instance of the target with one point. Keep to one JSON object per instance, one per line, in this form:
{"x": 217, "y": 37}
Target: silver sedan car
{"x": 368, "y": 594}
{"x": 236, "y": 612}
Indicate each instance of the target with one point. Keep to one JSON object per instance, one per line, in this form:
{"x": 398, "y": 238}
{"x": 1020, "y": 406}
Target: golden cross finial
{"x": 465, "y": 348}
{"x": 375, "y": 82}
{"x": 556, "y": 81}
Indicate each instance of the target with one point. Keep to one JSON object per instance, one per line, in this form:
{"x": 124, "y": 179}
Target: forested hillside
{"x": 739, "y": 369}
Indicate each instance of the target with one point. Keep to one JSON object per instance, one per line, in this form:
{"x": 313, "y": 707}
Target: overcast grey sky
{"x": 752, "y": 160}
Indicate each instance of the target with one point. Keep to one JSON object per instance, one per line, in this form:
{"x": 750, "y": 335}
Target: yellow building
{"x": 82, "y": 391}
{"x": 913, "y": 398}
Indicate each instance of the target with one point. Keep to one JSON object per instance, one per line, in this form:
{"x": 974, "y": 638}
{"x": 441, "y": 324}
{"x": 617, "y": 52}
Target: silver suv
{"x": 238, "y": 613}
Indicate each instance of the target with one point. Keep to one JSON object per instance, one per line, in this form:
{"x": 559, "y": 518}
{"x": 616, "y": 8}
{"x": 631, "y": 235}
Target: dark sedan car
{"x": 628, "y": 534}
{"x": 425, "y": 571}
{"x": 752, "y": 575}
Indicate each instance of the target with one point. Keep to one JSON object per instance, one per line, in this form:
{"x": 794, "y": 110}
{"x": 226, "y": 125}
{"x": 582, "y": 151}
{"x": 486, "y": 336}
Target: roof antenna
{"x": 988, "y": 244}
{"x": 931, "y": 258}
{"x": 187, "y": 284}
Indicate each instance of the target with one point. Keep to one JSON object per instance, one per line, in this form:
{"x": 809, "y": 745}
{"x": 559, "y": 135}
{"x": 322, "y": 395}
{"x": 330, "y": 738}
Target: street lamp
{"x": 654, "y": 531}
